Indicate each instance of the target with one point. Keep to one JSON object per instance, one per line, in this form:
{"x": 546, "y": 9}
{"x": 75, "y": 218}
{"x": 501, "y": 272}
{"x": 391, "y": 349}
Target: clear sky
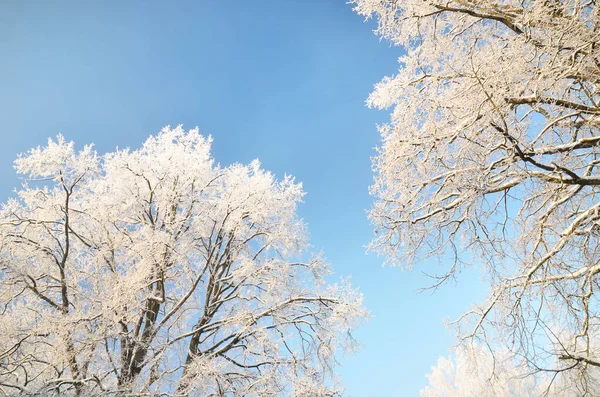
{"x": 284, "y": 81}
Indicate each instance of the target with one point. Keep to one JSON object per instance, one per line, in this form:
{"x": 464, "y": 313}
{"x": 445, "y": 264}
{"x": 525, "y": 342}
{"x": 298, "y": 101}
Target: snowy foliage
{"x": 491, "y": 157}
{"x": 474, "y": 371}
{"x": 157, "y": 272}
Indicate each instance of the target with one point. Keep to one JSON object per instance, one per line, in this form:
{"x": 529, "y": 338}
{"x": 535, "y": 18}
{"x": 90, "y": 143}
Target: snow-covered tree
{"x": 476, "y": 371}
{"x": 157, "y": 272}
{"x": 491, "y": 157}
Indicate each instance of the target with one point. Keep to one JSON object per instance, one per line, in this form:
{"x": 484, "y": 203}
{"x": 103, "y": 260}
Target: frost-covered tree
{"x": 474, "y": 372}
{"x": 491, "y": 157}
{"x": 157, "y": 272}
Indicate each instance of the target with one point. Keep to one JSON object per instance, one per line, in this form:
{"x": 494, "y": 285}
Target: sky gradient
{"x": 281, "y": 81}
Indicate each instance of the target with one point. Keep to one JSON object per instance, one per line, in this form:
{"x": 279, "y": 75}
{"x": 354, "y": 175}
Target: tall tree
{"x": 491, "y": 157}
{"x": 157, "y": 272}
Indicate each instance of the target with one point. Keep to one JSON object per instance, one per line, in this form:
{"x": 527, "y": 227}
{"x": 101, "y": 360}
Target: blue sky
{"x": 281, "y": 81}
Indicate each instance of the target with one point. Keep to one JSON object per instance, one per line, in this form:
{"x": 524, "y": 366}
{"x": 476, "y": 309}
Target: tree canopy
{"x": 158, "y": 272}
{"x": 474, "y": 372}
{"x": 491, "y": 158}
